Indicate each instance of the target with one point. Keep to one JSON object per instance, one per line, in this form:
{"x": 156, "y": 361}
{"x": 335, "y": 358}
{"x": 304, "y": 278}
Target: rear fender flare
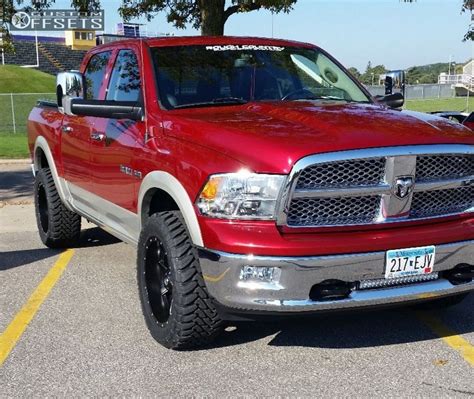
{"x": 42, "y": 144}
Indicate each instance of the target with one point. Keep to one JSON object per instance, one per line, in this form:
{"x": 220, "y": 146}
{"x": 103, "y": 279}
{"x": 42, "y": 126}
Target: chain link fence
{"x": 419, "y": 92}
{"x": 15, "y": 108}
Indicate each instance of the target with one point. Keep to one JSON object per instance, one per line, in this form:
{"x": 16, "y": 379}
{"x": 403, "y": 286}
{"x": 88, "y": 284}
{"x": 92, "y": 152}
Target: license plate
{"x": 409, "y": 262}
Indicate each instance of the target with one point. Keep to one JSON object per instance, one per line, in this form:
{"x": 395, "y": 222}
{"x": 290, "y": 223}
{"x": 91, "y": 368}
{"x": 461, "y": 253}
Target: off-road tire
{"x": 191, "y": 320}
{"x": 58, "y": 227}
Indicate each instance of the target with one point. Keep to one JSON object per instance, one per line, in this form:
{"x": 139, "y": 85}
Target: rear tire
{"x": 58, "y": 227}
{"x": 177, "y": 308}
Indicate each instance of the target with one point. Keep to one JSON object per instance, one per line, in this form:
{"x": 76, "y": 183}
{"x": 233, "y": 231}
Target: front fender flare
{"x": 168, "y": 183}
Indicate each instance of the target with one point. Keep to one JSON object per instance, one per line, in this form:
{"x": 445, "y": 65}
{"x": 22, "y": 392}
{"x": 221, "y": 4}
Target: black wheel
{"x": 442, "y": 303}
{"x": 177, "y": 308}
{"x": 58, "y": 227}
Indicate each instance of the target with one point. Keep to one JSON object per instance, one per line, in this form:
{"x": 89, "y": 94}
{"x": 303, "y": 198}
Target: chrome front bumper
{"x": 221, "y": 272}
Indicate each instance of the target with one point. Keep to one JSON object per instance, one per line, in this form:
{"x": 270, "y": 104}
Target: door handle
{"x": 66, "y": 129}
{"x": 97, "y": 136}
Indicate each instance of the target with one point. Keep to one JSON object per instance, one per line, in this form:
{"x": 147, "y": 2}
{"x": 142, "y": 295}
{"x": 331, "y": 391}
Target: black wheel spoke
{"x": 157, "y": 277}
{"x": 43, "y": 208}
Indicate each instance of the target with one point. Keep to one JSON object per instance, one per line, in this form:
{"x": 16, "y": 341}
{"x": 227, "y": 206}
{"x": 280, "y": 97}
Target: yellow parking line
{"x": 452, "y": 339}
{"x": 17, "y": 327}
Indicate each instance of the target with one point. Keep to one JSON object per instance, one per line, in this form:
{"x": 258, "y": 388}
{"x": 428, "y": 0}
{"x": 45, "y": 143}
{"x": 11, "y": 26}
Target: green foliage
{"x": 372, "y": 74}
{"x": 429, "y": 73}
{"x": 210, "y": 15}
{"x": 468, "y": 6}
{"x": 354, "y": 72}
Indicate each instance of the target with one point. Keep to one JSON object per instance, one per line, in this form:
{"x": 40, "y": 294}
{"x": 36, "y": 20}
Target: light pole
{"x": 272, "y": 24}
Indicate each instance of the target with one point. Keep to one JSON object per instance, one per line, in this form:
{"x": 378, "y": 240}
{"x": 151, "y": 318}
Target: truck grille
{"x": 364, "y": 187}
{"x": 344, "y": 173}
{"x": 442, "y": 202}
{"x": 333, "y": 211}
{"x": 444, "y": 166}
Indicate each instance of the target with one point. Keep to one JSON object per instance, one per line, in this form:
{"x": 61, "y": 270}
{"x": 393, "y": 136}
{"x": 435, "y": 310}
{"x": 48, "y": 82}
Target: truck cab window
{"x": 125, "y": 80}
{"x": 95, "y": 74}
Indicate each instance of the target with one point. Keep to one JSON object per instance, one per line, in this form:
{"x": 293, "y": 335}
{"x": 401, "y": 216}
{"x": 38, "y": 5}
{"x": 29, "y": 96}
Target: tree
{"x": 354, "y": 72}
{"x": 208, "y": 15}
{"x": 372, "y": 74}
{"x": 468, "y": 5}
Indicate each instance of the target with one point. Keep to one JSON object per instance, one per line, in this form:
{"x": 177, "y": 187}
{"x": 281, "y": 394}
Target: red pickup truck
{"x": 256, "y": 177}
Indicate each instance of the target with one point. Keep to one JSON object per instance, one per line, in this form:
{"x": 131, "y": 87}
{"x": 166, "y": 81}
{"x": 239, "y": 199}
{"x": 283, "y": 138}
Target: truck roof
{"x": 208, "y": 40}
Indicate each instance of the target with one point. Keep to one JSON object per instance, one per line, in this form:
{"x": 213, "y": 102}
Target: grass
{"x": 15, "y": 79}
{"x": 13, "y": 146}
{"x": 440, "y": 104}
{"x": 22, "y": 105}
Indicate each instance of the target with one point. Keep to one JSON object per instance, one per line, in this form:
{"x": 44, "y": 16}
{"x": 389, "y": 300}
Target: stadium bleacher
{"x": 54, "y": 55}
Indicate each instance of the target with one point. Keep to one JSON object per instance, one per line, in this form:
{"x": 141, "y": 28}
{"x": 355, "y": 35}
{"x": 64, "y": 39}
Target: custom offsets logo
{"x": 57, "y": 20}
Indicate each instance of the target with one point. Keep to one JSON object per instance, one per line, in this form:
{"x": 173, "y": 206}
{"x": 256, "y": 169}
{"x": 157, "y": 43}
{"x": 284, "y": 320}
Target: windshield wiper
{"x": 214, "y": 102}
{"x": 329, "y": 98}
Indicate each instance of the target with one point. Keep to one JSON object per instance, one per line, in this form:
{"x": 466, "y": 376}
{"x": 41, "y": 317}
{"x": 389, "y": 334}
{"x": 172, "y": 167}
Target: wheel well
{"x": 41, "y": 160}
{"x": 157, "y": 200}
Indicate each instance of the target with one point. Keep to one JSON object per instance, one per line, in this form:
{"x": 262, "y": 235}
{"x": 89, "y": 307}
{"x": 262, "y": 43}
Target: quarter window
{"x": 125, "y": 80}
{"x": 95, "y": 74}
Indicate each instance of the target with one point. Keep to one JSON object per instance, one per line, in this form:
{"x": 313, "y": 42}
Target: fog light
{"x": 260, "y": 277}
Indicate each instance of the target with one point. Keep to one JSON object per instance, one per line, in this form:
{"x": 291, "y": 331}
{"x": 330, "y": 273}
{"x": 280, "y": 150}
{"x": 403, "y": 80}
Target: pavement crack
{"x": 470, "y": 393}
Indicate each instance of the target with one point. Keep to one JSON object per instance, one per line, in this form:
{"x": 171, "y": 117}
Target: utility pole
{"x": 272, "y": 24}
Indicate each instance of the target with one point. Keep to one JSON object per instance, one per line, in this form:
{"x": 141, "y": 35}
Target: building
{"x": 80, "y": 39}
{"x": 466, "y": 77}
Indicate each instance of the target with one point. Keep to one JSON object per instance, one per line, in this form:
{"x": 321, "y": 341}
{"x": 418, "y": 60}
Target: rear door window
{"x": 125, "y": 83}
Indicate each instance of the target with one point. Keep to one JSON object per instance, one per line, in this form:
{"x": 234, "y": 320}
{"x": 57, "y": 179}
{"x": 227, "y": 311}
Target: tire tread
{"x": 64, "y": 226}
{"x": 196, "y": 321}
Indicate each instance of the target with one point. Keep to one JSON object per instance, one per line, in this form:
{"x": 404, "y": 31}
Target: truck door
{"x": 114, "y": 140}
{"x": 76, "y": 130}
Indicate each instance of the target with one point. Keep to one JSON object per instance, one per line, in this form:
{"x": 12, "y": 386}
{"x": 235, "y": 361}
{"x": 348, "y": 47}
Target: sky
{"x": 389, "y": 32}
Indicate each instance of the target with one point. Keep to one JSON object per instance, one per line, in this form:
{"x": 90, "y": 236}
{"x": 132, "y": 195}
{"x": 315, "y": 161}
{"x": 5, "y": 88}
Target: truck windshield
{"x": 194, "y": 76}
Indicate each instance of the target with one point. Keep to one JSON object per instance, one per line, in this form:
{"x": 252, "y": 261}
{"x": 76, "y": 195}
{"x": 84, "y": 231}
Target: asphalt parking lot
{"x": 88, "y": 337}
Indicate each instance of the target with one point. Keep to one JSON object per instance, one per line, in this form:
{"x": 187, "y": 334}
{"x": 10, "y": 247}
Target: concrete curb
{"x": 6, "y": 161}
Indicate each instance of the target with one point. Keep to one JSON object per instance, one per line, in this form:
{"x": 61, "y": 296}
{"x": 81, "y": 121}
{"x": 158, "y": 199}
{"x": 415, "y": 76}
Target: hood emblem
{"x": 404, "y": 186}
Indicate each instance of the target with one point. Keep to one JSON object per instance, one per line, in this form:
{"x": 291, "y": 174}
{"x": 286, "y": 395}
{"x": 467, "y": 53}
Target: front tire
{"x": 177, "y": 308}
{"x": 58, "y": 227}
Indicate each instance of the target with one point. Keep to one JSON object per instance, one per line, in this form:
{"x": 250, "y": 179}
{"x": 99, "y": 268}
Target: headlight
{"x": 242, "y": 195}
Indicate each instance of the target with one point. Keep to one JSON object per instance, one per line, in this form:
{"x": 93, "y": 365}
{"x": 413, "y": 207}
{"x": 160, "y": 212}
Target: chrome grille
{"x": 333, "y": 211}
{"x": 442, "y": 202}
{"x": 384, "y": 185}
{"x": 344, "y": 173}
{"x": 444, "y": 166}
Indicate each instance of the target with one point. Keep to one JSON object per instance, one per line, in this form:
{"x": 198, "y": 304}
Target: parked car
{"x": 256, "y": 177}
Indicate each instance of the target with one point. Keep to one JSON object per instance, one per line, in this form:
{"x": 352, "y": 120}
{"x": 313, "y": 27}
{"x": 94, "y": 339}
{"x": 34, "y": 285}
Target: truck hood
{"x": 270, "y": 137}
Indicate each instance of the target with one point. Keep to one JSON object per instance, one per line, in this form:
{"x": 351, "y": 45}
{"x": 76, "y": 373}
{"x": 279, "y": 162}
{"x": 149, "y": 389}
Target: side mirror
{"x": 69, "y": 86}
{"x": 395, "y": 100}
{"x": 388, "y": 83}
{"x": 107, "y": 109}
